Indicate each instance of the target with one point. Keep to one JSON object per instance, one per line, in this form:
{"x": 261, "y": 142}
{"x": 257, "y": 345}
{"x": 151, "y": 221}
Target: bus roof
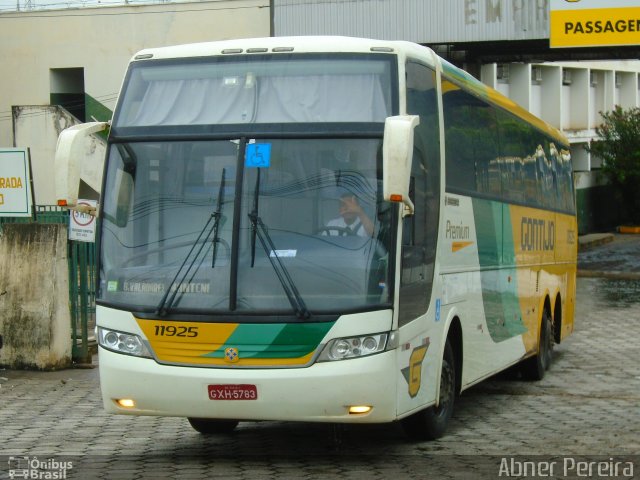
{"x": 304, "y": 44}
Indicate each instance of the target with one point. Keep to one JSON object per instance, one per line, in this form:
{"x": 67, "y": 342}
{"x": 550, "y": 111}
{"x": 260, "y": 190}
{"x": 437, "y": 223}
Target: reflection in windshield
{"x": 177, "y": 233}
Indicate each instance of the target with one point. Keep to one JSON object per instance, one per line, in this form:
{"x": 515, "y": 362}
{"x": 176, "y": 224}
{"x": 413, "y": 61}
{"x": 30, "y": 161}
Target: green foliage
{"x": 619, "y": 148}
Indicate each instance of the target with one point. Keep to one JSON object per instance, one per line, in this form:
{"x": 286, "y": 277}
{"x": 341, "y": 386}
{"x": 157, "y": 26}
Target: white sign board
{"x": 82, "y": 226}
{"x": 15, "y": 183}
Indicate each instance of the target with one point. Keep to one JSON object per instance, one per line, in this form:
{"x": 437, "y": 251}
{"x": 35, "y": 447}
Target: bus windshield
{"x": 245, "y": 226}
{"x": 258, "y": 89}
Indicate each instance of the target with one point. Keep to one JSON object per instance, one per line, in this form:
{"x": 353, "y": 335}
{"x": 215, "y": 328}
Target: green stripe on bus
{"x": 274, "y": 340}
{"x": 499, "y": 285}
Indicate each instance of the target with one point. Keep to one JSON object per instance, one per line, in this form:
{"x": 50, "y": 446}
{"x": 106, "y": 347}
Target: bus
{"x": 230, "y": 286}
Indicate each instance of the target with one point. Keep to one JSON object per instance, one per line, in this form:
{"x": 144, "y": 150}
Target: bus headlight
{"x": 353, "y": 347}
{"x": 121, "y": 342}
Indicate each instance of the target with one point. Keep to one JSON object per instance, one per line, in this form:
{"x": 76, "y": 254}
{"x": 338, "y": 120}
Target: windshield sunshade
{"x": 257, "y": 90}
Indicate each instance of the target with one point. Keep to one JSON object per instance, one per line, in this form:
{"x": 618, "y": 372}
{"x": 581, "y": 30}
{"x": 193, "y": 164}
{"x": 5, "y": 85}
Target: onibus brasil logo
{"x": 34, "y": 468}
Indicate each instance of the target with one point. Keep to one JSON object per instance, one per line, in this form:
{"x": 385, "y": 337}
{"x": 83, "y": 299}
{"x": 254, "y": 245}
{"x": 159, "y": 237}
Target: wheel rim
{"x": 546, "y": 343}
{"x": 446, "y": 389}
{"x": 549, "y": 343}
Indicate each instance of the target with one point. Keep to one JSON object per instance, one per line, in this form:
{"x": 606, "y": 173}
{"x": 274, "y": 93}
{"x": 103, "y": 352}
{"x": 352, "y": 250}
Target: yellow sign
{"x": 15, "y": 183}
{"x": 592, "y": 23}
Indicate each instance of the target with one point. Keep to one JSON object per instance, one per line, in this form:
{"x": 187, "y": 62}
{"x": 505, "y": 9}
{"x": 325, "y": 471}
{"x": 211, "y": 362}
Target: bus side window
{"x": 472, "y": 146}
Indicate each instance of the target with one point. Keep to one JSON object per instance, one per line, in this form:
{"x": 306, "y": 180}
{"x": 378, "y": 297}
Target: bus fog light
{"x": 353, "y": 347}
{"x": 125, "y": 402}
{"x": 359, "y": 409}
{"x": 121, "y": 342}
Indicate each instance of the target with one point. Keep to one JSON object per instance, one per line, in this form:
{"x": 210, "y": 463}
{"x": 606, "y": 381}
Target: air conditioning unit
{"x": 566, "y": 77}
{"x": 502, "y": 72}
{"x": 536, "y": 74}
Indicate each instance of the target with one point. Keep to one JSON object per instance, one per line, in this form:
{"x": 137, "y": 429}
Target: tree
{"x": 619, "y": 148}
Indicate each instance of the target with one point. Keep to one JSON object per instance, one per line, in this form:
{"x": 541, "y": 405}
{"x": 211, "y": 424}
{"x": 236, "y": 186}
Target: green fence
{"x": 82, "y": 280}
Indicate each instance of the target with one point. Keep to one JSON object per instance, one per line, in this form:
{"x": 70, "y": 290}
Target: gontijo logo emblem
{"x": 231, "y": 355}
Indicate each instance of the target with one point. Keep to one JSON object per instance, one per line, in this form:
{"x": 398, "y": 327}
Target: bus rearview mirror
{"x": 397, "y": 154}
{"x": 71, "y": 154}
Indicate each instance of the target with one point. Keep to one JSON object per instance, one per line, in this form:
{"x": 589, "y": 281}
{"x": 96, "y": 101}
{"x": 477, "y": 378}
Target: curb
{"x": 610, "y": 275}
{"x": 586, "y": 242}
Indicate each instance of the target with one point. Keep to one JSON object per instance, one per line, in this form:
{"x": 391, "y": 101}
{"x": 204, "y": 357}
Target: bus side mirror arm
{"x": 397, "y": 154}
{"x": 69, "y": 159}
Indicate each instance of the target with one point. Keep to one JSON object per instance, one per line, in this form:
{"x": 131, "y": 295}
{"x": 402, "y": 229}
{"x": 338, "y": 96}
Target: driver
{"x": 352, "y": 220}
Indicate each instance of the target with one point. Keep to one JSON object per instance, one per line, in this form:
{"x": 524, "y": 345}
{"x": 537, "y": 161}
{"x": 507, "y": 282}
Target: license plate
{"x": 233, "y": 392}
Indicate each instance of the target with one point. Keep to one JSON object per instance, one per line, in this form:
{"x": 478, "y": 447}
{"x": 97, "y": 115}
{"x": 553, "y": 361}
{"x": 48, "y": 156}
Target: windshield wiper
{"x": 259, "y": 229}
{"x": 216, "y": 224}
{"x": 252, "y": 216}
{"x": 166, "y": 302}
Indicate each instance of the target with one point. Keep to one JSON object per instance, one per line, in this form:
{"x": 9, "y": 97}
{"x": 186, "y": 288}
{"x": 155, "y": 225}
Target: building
{"x": 76, "y": 58}
{"x": 505, "y": 44}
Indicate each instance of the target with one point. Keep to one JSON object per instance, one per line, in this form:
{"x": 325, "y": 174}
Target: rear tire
{"x": 431, "y": 423}
{"x": 210, "y": 426}
{"x": 535, "y": 367}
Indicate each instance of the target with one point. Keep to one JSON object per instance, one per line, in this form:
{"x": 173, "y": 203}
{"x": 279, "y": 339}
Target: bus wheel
{"x": 208, "y": 426}
{"x": 432, "y": 422}
{"x": 533, "y": 368}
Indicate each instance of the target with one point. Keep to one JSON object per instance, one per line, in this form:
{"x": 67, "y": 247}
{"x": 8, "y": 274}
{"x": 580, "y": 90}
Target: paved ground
{"x": 588, "y": 407}
{"x": 611, "y": 255}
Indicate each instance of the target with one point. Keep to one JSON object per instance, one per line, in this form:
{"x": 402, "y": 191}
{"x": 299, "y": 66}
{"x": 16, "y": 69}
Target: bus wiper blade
{"x": 216, "y": 224}
{"x": 290, "y": 289}
{"x": 166, "y": 302}
{"x": 252, "y": 216}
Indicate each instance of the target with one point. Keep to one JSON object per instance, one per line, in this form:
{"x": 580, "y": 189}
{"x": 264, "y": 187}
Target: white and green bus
{"x": 230, "y": 286}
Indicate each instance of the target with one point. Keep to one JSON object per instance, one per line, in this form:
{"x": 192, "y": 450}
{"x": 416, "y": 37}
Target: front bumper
{"x": 319, "y": 393}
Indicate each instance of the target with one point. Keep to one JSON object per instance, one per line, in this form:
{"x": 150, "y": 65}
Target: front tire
{"x": 431, "y": 423}
{"x": 210, "y": 426}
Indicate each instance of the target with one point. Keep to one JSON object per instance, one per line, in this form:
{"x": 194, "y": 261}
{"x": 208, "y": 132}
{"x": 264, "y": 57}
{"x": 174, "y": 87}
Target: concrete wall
{"x": 102, "y": 40}
{"x": 35, "y": 322}
{"x": 38, "y": 128}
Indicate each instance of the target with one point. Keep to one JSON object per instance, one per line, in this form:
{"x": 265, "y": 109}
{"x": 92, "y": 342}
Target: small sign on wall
{"x": 15, "y": 183}
{"x": 82, "y": 226}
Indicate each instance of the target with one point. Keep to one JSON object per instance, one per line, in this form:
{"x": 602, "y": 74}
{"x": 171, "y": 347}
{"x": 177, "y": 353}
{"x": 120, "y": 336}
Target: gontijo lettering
{"x": 537, "y": 234}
